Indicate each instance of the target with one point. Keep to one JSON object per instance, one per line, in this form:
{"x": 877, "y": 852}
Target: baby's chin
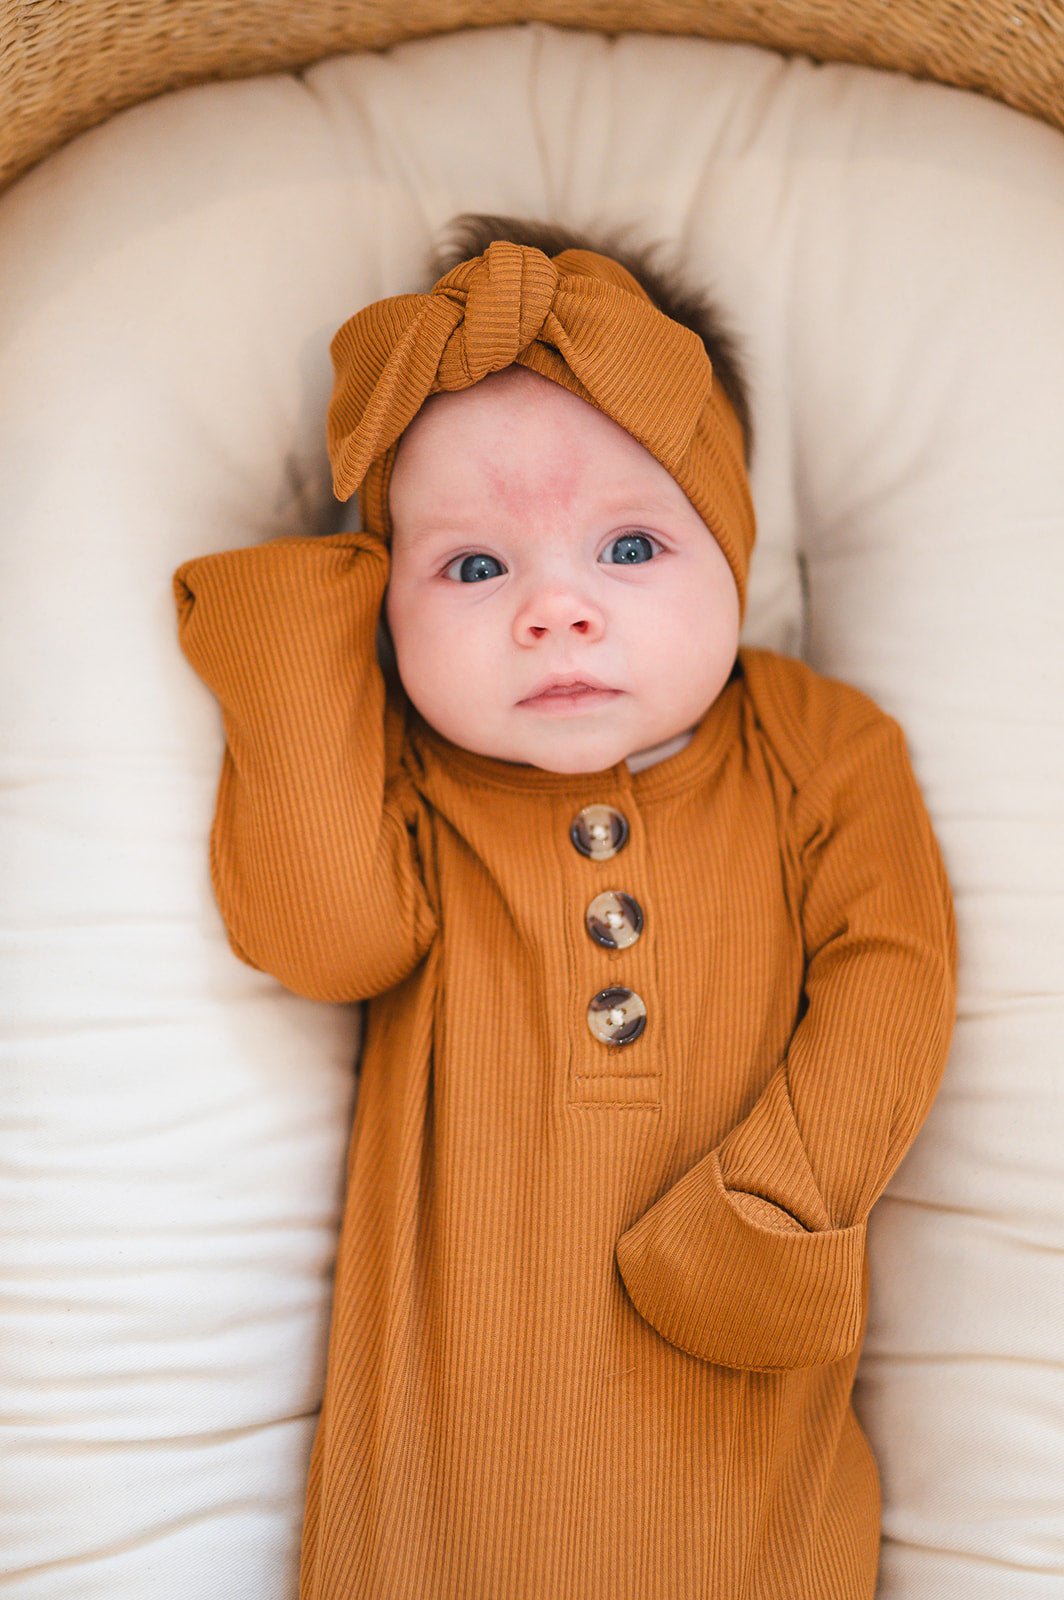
{"x": 563, "y": 757}
{"x": 568, "y": 757}
{"x": 567, "y": 747}
{"x": 572, "y": 769}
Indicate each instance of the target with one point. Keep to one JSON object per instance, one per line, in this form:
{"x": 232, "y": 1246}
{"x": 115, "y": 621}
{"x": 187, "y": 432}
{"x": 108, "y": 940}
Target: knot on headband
{"x": 501, "y": 300}
{"x": 579, "y": 319}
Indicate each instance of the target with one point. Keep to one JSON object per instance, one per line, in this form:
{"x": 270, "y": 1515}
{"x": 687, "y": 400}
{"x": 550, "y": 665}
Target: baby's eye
{"x": 471, "y": 569}
{"x": 635, "y": 544}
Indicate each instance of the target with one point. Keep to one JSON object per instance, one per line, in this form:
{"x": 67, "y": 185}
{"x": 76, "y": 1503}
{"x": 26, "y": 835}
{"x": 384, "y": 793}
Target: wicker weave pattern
{"x": 66, "y": 67}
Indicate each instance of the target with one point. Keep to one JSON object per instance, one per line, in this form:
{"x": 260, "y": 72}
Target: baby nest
{"x": 888, "y": 250}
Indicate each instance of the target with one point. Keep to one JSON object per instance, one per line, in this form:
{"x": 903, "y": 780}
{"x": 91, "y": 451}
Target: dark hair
{"x": 471, "y": 232}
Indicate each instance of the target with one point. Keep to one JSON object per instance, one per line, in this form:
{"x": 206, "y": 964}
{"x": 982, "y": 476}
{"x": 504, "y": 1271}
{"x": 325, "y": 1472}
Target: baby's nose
{"x": 576, "y": 627}
{"x": 557, "y": 611}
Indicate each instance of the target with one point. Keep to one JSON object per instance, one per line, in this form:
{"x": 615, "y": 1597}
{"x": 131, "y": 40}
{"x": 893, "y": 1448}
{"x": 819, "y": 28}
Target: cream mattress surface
{"x": 175, "y": 1124}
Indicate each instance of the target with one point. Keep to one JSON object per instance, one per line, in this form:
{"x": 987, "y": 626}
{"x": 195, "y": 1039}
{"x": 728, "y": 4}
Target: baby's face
{"x": 534, "y": 537}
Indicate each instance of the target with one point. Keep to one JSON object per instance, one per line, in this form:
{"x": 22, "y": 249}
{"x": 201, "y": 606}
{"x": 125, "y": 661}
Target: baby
{"x": 658, "y": 942}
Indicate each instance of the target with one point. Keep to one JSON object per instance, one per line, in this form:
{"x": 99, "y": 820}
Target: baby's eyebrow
{"x": 631, "y": 509}
{"x": 635, "y": 507}
{"x": 456, "y": 527}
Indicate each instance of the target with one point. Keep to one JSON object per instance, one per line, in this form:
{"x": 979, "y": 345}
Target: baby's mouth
{"x": 559, "y": 687}
{"x": 571, "y": 694}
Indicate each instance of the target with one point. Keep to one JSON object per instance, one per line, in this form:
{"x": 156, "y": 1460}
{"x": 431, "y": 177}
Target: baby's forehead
{"x": 515, "y": 393}
{"x": 531, "y": 456}
{"x": 517, "y": 434}
{"x": 521, "y": 453}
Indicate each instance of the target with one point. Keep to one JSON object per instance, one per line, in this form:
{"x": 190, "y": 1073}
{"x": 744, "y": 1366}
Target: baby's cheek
{"x": 427, "y": 665}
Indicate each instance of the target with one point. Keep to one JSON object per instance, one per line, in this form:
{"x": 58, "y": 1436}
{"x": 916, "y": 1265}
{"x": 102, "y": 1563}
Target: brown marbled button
{"x": 599, "y": 831}
{"x": 616, "y": 1016}
{"x": 614, "y": 919}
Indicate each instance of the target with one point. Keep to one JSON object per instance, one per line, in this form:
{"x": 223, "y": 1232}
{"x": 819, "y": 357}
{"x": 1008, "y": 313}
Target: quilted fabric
{"x": 175, "y": 1123}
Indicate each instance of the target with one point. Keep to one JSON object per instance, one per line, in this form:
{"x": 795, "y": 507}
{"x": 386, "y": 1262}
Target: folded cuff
{"x": 723, "y": 1287}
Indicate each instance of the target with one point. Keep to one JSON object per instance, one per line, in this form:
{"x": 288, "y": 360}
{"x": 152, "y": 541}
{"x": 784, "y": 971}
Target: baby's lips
{"x": 550, "y": 686}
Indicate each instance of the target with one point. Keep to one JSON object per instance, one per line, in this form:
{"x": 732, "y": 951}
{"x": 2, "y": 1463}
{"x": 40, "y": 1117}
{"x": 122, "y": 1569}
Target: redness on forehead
{"x": 514, "y": 493}
{"x": 485, "y": 457}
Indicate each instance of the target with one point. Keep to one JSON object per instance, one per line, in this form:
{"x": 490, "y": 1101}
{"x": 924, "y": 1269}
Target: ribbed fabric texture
{"x": 597, "y": 1308}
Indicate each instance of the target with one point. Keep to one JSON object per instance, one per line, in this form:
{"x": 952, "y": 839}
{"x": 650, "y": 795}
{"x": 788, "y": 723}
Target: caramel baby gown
{"x": 642, "y": 1049}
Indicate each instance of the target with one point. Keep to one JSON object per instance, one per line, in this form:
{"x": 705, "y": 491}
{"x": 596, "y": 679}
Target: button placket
{"x": 615, "y": 1015}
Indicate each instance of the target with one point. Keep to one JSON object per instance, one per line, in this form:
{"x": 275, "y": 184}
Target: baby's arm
{"x": 777, "y": 1281}
{"x": 312, "y": 854}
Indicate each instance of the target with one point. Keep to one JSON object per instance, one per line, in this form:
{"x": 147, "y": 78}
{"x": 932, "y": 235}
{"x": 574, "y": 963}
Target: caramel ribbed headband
{"x": 578, "y": 318}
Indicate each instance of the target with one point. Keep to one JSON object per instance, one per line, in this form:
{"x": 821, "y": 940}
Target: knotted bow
{"x": 580, "y": 319}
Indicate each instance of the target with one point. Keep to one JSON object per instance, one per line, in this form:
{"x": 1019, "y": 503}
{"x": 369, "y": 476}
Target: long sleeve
{"x": 754, "y": 1258}
{"x": 313, "y": 852}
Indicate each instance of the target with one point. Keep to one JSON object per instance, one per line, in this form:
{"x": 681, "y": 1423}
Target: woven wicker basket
{"x": 66, "y": 67}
